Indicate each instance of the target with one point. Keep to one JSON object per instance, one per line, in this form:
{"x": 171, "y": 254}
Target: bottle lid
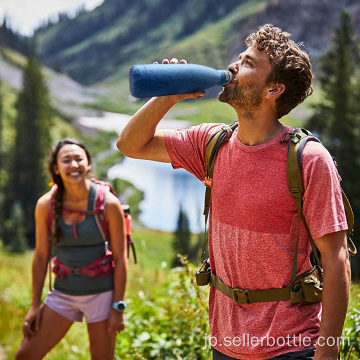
{"x": 228, "y": 75}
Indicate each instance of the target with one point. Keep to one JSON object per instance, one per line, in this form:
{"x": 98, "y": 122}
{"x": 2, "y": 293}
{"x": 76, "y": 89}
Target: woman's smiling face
{"x": 72, "y": 163}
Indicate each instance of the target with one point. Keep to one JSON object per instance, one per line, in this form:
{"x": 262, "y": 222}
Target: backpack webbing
{"x": 297, "y": 142}
{"x": 99, "y": 214}
{"x": 211, "y": 151}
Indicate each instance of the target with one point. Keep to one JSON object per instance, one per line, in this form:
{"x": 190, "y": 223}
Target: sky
{"x": 25, "y": 15}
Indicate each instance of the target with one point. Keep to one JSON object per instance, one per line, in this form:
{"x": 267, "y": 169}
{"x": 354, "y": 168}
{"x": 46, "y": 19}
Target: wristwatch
{"x": 119, "y": 306}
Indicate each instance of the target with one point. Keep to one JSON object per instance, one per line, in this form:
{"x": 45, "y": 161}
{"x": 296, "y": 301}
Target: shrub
{"x": 351, "y": 346}
{"x": 170, "y": 322}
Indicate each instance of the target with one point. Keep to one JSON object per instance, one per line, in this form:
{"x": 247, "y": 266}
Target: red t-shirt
{"x": 252, "y": 236}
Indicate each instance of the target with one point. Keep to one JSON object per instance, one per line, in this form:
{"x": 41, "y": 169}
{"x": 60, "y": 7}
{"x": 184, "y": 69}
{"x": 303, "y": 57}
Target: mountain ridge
{"x": 99, "y": 47}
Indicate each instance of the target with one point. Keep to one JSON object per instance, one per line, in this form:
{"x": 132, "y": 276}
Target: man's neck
{"x": 258, "y": 128}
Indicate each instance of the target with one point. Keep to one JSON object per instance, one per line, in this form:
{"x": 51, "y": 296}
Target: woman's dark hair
{"x": 58, "y": 198}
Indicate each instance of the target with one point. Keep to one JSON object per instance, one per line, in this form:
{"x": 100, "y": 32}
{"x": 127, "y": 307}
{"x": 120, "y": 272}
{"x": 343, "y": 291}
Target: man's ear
{"x": 275, "y": 91}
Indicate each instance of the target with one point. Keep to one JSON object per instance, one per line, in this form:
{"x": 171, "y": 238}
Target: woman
{"x": 77, "y": 242}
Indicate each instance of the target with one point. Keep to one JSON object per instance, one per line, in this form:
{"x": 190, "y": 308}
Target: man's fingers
{"x": 172, "y": 61}
{"x": 198, "y": 94}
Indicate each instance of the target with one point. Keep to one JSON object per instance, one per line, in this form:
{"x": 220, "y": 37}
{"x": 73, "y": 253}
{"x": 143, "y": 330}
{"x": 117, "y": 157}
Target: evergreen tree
{"x": 9, "y": 38}
{"x": 337, "y": 118}
{"x": 2, "y": 155}
{"x": 32, "y": 143}
{"x": 182, "y": 237}
{"x": 1, "y": 134}
{"x": 17, "y": 240}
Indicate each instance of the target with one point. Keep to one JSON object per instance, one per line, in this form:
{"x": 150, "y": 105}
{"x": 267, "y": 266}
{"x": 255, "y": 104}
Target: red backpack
{"x": 105, "y": 264}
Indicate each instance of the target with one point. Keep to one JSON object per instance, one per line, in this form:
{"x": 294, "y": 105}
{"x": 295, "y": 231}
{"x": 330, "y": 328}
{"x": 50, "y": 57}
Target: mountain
{"x": 93, "y": 46}
{"x": 72, "y": 98}
{"x": 101, "y": 45}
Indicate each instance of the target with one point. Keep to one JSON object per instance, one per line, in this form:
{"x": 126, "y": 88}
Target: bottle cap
{"x": 228, "y": 75}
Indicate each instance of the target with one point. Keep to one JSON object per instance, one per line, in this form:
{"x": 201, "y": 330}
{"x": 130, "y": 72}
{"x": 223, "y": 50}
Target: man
{"x": 253, "y": 221}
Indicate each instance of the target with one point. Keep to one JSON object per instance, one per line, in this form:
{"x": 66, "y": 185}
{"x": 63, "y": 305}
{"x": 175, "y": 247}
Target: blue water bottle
{"x": 170, "y": 79}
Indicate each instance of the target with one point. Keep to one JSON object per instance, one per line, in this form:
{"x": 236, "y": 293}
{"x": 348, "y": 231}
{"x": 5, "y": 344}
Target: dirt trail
{"x": 2, "y": 354}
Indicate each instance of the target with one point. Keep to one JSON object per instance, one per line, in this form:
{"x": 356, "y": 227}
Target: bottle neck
{"x": 229, "y": 76}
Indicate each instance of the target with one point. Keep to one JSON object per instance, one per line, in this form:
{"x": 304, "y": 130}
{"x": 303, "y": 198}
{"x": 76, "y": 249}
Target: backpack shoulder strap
{"x": 50, "y": 224}
{"x": 99, "y": 207}
{"x": 298, "y": 140}
{"x": 50, "y": 220}
{"x": 99, "y": 210}
{"x": 100, "y": 182}
{"x": 212, "y": 148}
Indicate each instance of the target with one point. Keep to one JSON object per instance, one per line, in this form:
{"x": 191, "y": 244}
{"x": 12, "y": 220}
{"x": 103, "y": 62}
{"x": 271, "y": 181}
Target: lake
{"x": 165, "y": 190}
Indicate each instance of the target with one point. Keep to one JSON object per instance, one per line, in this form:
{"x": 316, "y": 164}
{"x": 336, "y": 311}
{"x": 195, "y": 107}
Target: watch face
{"x": 119, "y": 306}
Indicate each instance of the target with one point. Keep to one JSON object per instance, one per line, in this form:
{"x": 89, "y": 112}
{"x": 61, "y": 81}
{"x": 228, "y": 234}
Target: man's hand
{"x": 140, "y": 139}
{"x": 195, "y": 95}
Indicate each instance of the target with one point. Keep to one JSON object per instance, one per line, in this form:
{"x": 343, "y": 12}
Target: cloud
{"x": 25, "y": 15}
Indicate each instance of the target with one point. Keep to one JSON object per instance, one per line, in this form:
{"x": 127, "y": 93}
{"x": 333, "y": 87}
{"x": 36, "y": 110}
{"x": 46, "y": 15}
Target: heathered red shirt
{"x": 252, "y": 235}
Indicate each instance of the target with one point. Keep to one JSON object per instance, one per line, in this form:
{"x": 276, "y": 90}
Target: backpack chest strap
{"x": 241, "y": 296}
{"x": 306, "y": 287}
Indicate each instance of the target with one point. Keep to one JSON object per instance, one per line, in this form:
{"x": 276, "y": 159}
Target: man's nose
{"x": 234, "y": 67}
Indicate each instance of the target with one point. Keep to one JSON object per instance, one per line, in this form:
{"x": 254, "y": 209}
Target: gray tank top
{"x": 80, "y": 252}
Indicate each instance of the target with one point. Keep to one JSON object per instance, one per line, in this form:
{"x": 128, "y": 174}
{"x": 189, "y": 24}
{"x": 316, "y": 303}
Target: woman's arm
{"x": 115, "y": 219}
{"x": 39, "y": 265}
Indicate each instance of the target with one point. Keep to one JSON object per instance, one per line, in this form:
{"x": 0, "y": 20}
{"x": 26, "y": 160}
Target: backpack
{"x": 304, "y": 288}
{"x": 103, "y": 265}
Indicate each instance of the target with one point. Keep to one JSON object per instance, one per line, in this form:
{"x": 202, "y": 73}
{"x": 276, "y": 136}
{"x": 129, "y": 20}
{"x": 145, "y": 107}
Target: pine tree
{"x": 1, "y": 134}
{"x": 337, "y": 117}
{"x": 17, "y": 239}
{"x": 32, "y": 142}
{"x": 2, "y": 154}
{"x": 182, "y": 236}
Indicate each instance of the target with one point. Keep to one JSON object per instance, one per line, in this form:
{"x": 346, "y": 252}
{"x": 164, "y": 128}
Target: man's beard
{"x": 246, "y": 98}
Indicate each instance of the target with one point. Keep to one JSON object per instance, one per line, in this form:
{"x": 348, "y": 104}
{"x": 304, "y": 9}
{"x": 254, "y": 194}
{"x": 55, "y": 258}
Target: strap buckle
{"x": 296, "y": 193}
{"x": 207, "y": 181}
{"x": 241, "y": 296}
{"x": 228, "y": 130}
{"x": 205, "y": 266}
{"x": 76, "y": 271}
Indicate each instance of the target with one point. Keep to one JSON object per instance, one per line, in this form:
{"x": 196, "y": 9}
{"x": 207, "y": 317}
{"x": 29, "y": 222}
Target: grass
{"x": 154, "y": 253}
{"x": 148, "y": 280}
{"x": 153, "y": 248}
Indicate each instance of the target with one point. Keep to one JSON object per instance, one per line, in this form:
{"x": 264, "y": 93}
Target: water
{"x": 165, "y": 190}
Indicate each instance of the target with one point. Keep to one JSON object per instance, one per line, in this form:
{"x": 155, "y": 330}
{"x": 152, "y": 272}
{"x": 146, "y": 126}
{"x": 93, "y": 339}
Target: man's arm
{"x": 140, "y": 139}
{"x": 336, "y": 288}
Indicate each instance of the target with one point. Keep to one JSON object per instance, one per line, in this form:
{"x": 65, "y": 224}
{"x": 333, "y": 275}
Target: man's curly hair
{"x": 290, "y": 66}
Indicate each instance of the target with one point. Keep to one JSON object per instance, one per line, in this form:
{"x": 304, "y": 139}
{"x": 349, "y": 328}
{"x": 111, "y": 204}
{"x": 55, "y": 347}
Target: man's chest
{"x": 250, "y": 190}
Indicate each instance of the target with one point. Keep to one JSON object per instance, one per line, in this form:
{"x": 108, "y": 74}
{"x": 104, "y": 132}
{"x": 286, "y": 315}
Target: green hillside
{"x": 100, "y": 46}
{"x": 94, "y": 45}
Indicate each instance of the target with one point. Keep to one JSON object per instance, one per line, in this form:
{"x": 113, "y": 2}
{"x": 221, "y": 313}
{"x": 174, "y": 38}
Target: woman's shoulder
{"x": 43, "y": 203}
{"x": 113, "y": 205}
{"x": 112, "y": 200}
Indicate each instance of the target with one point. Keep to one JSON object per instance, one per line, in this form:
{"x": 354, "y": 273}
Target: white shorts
{"x": 95, "y": 308}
